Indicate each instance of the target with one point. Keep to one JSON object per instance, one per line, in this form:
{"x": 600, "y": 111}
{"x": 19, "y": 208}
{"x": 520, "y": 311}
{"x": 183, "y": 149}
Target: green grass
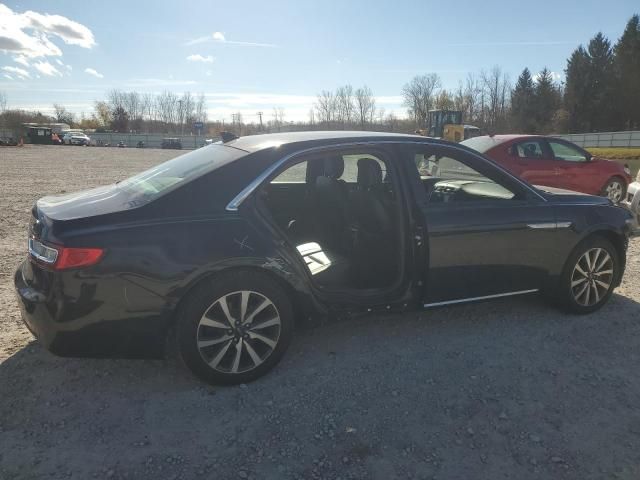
{"x": 630, "y": 156}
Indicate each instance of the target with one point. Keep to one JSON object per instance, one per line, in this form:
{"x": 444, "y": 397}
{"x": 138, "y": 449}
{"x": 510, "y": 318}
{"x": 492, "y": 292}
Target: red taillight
{"x": 77, "y": 257}
{"x": 58, "y": 257}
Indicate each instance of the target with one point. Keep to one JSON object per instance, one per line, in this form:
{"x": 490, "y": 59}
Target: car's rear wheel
{"x": 614, "y": 189}
{"x": 235, "y": 328}
{"x": 589, "y": 276}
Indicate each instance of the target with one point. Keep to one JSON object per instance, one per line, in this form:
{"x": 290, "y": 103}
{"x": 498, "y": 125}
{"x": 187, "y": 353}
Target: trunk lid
{"x": 86, "y": 203}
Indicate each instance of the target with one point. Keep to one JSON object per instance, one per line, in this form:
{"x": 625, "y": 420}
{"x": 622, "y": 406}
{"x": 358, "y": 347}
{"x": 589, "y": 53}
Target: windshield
{"x": 157, "y": 180}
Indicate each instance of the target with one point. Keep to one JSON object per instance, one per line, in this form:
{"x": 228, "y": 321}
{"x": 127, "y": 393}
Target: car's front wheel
{"x": 589, "y": 276}
{"x": 234, "y": 328}
{"x": 614, "y": 189}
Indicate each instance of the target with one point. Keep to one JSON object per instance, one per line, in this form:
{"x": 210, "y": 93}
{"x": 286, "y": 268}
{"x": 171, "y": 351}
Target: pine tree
{"x": 627, "y": 69}
{"x": 600, "y": 78}
{"x": 576, "y": 92}
{"x": 522, "y": 103}
{"x": 547, "y": 100}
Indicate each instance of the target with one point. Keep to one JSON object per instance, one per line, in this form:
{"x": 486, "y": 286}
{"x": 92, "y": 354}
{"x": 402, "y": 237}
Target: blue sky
{"x": 255, "y": 55}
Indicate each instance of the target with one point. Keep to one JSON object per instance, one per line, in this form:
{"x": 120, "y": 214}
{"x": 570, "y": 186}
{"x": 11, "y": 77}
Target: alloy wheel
{"x": 238, "y": 332}
{"x": 614, "y": 191}
{"x": 592, "y": 277}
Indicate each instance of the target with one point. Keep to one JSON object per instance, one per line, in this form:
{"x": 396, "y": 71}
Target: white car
{"x": 75, "y": 138}
{"x": 631, "y": 201}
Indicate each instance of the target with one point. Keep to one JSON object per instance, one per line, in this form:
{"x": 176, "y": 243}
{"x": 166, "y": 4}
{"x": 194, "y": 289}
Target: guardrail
{"x": 605, "y": 139}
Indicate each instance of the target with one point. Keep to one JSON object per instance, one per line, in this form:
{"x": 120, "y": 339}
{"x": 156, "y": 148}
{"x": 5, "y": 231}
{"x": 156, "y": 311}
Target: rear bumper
{"x": 102, "y": 332}
{"x": 632, "y": 203}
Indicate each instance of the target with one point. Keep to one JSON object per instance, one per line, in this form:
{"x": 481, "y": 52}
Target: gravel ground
{"x": 509, "y": 389}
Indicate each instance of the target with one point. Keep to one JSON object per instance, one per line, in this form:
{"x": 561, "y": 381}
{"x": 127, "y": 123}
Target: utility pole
{"x": 260, "y": 116}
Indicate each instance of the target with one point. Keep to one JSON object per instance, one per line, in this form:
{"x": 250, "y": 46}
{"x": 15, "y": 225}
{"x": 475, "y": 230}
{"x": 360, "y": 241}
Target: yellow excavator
{"x": 447, "y": 124}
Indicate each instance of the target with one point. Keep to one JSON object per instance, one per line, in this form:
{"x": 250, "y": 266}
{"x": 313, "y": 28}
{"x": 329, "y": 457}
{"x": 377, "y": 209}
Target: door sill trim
{"x": 474, "y": 299}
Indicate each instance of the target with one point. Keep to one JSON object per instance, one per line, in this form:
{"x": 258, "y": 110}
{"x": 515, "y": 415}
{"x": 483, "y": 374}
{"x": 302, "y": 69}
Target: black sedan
{"x": 224, "y": 249}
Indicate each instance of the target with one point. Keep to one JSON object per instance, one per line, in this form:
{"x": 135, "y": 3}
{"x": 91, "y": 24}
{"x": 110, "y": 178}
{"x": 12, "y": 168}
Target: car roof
{"x": 254, "y": 143}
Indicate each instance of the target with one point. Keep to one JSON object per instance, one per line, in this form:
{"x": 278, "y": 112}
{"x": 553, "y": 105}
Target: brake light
{"x": 77, "y": 257}
{"x": 62, "y": 258}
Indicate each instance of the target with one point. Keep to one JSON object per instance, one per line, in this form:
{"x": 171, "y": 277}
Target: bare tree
{"x": 419, "y": 95}
{"x": 471, "y": 97}
{"x": 278, "y": 117}
{"x": 344, "y": 105}
{"x": 62, "y": 115}
{"x": 116, "y": 99}
{"x": 444, "y": 101}
{"x": 365, "y": 105}
{"x": 3, "y": 101}
{"x": 102, "y": 114}
{"x": 326, "y": 107}
{"x": 496, "y": 88}
{"x": 201, "y": 108}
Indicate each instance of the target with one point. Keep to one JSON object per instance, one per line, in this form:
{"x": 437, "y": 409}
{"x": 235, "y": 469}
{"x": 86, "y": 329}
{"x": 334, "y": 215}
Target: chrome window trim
{"x": 235, "y": 203}
{"x": 474, "y": 299}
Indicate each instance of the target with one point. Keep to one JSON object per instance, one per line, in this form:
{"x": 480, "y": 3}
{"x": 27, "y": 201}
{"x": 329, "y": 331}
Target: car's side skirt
{"x": 475, "y": 299}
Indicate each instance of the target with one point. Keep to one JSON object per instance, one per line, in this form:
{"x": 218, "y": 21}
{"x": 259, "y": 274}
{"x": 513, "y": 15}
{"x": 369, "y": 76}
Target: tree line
{"x": 601, "y": 92}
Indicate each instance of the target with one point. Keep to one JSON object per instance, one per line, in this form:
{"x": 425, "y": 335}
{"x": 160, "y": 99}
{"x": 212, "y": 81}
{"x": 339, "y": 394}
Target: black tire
{"x": 207, "y": 298}
{"x": 617, "y": 185}
{"x": 567, "y": 294}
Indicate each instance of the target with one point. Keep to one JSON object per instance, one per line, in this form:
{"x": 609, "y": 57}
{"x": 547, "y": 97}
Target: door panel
{"x": 487, "y": 249}
{"x": 576, "y": 172}
{"x": 486, "y": 233}
{"x": 534, "y": 162}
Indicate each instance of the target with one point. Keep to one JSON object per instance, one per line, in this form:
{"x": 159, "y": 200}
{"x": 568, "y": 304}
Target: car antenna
{"x": 228, "y": 136}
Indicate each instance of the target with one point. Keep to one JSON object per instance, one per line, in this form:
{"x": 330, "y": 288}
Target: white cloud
{"x": 47, "y": 69}
{"x": 22, "y": 60}
{"x": 219, "y": 37}
{"x": 59, "y": 62}
{"x": 93, "y": 72}
{"x": 28, "y": 34}
{"x": 199, "y": 58}
{"x": 8, "y": 77}
{"x": 19, "y": 72}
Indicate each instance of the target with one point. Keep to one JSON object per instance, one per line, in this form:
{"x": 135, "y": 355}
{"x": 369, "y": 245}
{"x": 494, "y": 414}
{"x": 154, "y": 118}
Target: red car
{"x": 554, "y": 162}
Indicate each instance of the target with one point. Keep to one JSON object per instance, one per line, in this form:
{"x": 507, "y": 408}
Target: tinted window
{"x": 562, "y": 151}
{"x": 530, "y": 149}
{"x": 152, "y": 183}
{"x": 350, "y": 174}
{"x": 295, "y": 174}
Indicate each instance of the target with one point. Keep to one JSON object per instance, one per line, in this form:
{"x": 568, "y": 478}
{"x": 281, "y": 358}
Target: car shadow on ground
{"x": 486, "y": 388}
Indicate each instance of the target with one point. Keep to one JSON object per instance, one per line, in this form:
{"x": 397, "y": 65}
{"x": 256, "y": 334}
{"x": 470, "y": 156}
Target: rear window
{"x": 482, "y": 144}
{"x": 160, "y": 179}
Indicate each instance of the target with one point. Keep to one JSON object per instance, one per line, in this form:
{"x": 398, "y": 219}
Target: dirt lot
{"x": 510, "y": 389}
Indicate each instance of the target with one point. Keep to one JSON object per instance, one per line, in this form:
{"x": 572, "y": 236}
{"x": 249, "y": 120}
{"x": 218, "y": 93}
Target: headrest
{"x": 330, "y": 167}
{"x": 333, "y": 167}
{"x": 369, "y": 172}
